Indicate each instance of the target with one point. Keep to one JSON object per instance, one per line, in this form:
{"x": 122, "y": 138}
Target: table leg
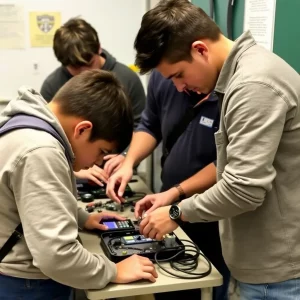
{"x": 206, "y": 293}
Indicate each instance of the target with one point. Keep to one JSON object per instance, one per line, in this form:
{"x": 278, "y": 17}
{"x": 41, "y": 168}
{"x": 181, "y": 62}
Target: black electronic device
{"x": 183, "y": 255}
{"x": 135, "y": 239}
{"x": 99, "y": 192}
{"x": 118, "y": 245}
{"x": 87, "y": 197}
{"x": 118, "y": 225}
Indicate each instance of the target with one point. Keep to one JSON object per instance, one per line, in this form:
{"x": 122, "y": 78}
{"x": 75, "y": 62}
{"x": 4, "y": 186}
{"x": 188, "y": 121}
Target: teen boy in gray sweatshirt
{"x": 37, "y": 187}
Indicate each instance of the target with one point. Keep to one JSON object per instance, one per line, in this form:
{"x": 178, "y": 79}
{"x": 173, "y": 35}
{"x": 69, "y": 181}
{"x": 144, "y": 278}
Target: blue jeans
{"x": 12, "y": 288}
{"x": 285, "y": 290}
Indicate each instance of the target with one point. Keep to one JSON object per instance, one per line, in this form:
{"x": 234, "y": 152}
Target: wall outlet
{"x": 36, "y": 68}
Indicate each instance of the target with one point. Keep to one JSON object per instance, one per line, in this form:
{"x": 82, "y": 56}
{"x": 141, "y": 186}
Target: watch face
{"x": 174, "y": 212}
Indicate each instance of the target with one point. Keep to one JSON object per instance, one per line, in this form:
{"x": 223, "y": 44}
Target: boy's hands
{"x": 93, "y": 222}
{"x": 96, "y": 174}
{"x": 135, "y": 268}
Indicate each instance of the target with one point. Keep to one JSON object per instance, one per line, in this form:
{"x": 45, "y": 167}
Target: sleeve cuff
{"x": 189, "y": 210}
{"x": 82, "y": 217}
{"x": 111, "y": 268}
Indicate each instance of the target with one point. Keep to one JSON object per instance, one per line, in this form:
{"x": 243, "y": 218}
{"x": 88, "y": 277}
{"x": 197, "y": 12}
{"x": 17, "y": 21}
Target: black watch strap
{"x": 179, "y": 222}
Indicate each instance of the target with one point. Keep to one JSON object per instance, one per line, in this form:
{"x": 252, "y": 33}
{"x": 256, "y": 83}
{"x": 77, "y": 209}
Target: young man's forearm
{"x": 142, "y": 145}
{"x": 198, "y": 183}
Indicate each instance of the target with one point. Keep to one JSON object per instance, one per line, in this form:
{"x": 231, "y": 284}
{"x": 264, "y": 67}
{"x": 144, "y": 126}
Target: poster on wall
{"x": 42, "y": 26}
{"x": 259, "y": 18}
{"x": 12, "y": 29}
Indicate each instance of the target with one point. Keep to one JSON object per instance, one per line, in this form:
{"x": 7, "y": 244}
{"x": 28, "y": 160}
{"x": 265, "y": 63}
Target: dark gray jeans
{"x": 12, "y": 288}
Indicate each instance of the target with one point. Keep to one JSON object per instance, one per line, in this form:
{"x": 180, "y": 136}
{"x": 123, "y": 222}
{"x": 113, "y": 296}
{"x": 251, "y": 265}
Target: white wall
{"x": 116, "y": 21}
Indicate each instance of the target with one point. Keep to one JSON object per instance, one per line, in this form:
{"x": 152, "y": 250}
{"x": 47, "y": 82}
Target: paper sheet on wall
{"x": 42, "y": 28}
{"x": 12, "y": 29}
{"x": 259, "y": 18}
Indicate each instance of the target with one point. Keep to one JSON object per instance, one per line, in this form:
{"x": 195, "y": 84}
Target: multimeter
{"x": 117, "y": 225}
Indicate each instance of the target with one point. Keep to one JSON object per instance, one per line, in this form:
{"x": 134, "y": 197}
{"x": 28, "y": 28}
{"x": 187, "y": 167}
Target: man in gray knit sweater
{"x": 256, "y": 197}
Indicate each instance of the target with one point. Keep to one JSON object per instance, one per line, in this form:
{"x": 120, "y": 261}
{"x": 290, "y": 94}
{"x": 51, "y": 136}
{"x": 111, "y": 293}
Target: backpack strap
{"x": 12, "y": 240}
{"x": 18, "y": 122}
{"x": 25, "y": 121}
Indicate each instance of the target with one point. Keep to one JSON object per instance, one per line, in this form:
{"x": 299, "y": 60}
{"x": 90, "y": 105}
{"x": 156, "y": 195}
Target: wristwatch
{"x": 175, "y": 214}
{"x": 182, "y": 194}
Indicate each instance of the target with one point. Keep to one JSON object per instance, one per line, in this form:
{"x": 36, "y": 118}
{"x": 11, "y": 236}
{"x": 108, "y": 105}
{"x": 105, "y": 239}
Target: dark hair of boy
{"x": 75, "y": 43}
{"x": 168, "y": 31}
{"x": 89, "y": 96}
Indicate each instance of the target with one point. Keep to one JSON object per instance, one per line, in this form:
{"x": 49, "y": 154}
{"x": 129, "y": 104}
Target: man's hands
{"x": 117, "y": 183}
{"x": 152, "y": 202}
{"x": 94, "y": 220}
{"x": 158, "y": 223}
{"x": 135, "y": 268}
{"x": 95, "y": 174}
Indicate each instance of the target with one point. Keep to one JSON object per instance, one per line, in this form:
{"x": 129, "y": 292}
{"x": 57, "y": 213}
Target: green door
{"x": 221, "y": 14}
{"x": 287, "y": 25}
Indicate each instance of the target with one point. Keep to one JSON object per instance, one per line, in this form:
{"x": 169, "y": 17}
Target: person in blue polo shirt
{"x": 189, "y": 167}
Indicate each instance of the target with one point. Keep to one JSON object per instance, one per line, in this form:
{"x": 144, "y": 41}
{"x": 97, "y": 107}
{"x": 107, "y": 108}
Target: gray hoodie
{"x": 38, "y": 188}
{"x": 127, "y": 77}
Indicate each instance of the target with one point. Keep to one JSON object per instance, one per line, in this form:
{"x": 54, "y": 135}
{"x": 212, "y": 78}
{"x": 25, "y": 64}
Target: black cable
{"x": 136, "y": 197}
{"x": 120, "y": 246}
{"x": 128, "y": 200}
{"x": 188, "y": 262}
{"x": 211, "y": 8}
{"x": 230, "y": 19}
{"x": 130, "y": 248}
{"x": 111, "y": 240}
{"x": 185, "y": 261}
{"x": 152, "y": 186}
{"x": 139, "y": 194}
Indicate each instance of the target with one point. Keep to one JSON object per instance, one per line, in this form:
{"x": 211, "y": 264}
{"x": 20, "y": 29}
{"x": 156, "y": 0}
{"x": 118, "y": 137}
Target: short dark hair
{"x": 168, "y": 31}
{"x": 75, "y": 43}
{"x": 99, "y": 97}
